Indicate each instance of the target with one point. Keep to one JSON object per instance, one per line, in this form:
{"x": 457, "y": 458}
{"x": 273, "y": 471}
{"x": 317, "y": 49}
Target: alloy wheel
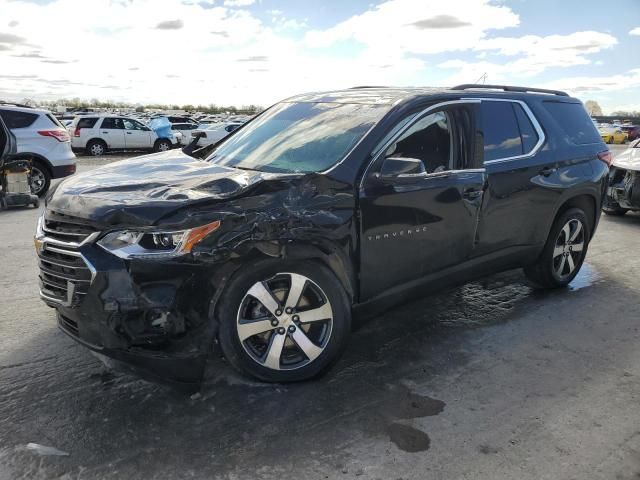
{"x": 97, "y": 149}
{"x": 163, "y": 146}
{"x": 568, "y": 249}
{"x": 285, "y": 322}
{"x": 38, "y": 180}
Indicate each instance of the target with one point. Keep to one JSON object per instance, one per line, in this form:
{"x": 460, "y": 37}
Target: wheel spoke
{"x": 251, "y": 328}
{"x": 272, "y": 360}
{"x": 570, "y": 262}
{"x": 309, "y": 349}
{"x": 576, "y": 231}
{"x": 577, "y": 247}
{"x": 559, "y": 250}
{"x": 567, "y": 232}
{"x": 561, "y": 266}
{"x": 261, "y": 293}
{"x": 298, "y": 282}
{"x": 321, "y": 313}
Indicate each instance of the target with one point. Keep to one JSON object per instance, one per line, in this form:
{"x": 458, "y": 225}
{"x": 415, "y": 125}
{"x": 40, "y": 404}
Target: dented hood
{"x": 143, "y": 190}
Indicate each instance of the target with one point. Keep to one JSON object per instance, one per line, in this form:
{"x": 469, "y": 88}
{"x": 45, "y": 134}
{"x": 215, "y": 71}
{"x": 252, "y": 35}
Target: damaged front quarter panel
{"x": 159, "y": 314}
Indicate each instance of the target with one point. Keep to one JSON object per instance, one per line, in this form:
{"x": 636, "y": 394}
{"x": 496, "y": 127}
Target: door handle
{"x": 546, "y": 171}
{"x": 106, "y": 133}
{"x": 128, "y": 133}
{"x": 472, "y": 193}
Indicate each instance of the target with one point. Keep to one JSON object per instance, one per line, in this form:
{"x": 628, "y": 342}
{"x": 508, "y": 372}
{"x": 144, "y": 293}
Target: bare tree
{"x": 593, "y": 108}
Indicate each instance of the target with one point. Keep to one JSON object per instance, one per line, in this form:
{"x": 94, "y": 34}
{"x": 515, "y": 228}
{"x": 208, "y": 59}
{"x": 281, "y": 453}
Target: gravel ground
{"x": 490, "y": 380}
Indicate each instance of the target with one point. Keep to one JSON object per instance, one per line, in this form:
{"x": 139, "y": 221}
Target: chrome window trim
{"x": 534, "y": 121}
{"x": 416, "y": 118}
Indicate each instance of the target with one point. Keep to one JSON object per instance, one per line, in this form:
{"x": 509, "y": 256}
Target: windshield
{"x": 298, "y": 137}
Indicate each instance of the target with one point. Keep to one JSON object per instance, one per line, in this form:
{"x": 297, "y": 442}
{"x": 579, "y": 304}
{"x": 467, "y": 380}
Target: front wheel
{"x": 162, "y": 146}
{"x": 284, "y": 321}
{"x": 564, "y": 252}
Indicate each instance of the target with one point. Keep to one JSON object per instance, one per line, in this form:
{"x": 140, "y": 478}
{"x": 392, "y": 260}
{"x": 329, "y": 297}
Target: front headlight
{"x": 131, "y": 243}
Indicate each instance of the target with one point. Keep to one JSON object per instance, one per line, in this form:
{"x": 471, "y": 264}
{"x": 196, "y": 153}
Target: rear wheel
{"x": 40, "y": 179}
{"x": 284, "y": 322}
{"x": 96, "y": 148}
{"x": 564, "y": 252}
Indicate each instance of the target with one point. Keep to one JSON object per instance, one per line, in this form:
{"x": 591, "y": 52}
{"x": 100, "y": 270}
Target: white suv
{"x": 95, "y": 135}
{"x": 41, "y": 137}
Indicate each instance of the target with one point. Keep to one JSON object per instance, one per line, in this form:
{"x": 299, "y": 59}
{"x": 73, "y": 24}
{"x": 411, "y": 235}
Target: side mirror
{"x": 146, "y": 129}
{"x": 402, "y": 167}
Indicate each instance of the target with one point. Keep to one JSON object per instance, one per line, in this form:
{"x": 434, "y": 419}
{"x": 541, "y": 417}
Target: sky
{"x": 240, "y": 52}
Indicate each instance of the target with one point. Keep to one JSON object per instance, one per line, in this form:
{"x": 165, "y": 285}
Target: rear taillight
{"x": 60, "y": 135}
{"x": 606, "y": 157}
{"x": 76, "y": 132}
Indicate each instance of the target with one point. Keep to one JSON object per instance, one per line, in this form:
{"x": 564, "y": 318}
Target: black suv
{"x": 322, "y": 205}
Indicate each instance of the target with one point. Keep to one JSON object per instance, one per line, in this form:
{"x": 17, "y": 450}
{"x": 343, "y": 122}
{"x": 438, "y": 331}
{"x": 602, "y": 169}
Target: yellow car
{"x": 614, "y": 136}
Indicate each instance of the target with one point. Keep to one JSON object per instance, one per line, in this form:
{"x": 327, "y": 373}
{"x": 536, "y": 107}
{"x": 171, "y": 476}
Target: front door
{"x": 136, "y": 134}
{"x": 416, "y": 224}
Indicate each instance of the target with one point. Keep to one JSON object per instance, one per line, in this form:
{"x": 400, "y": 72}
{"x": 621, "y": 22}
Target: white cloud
{"x": 635, "y": 31}
{"x": 418, "y": 26}
{"x": 238, "y": 3}
{"x": 584, "y": 84}
{"x": 529, "y": 55}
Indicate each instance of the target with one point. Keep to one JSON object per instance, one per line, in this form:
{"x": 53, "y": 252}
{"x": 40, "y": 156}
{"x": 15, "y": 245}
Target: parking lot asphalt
{"x": 489, "y": 380}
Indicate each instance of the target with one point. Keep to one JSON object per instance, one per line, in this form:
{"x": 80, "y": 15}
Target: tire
{"x": 162, "y": 146}
{"x": 40, "y": 179}
{"x": 95, "y": 148}
{"x": 288, "y": 346}
{"x": 611, "y": 141}
{"x": 560, "y": 253}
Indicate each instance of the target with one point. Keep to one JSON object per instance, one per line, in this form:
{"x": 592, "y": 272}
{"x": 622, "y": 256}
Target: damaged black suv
{"x": 323, "y": 205}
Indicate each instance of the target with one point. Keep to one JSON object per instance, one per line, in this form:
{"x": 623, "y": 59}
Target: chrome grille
{"x": 65, "y": 275}
{"x": 66, "y": 228}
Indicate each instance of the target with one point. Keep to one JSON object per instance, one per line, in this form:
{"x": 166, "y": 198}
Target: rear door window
{"x": 574, "y": 122}
{"x": 527, "y": 131}
{"x": 15, "y": 119}
{"x": 112, "y": 123}
{"x": 500, "y": 130}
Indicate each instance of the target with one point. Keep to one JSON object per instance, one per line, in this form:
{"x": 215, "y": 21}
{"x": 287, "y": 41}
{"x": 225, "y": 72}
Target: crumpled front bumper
{"x": 152, "y": 316}
{"x": 624, "y": 188}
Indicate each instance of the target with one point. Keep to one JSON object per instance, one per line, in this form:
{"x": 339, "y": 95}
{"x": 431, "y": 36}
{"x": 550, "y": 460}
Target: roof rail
{"x": 13, "y": 104}
{"x": 367, "y": 86}
{"x": 508, "y": 88}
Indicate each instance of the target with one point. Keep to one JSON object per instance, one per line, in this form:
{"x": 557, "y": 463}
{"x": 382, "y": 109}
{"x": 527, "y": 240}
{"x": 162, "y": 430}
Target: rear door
{"x": 524, "y": 178}
{"x": 136, "y": 134}
{"x": 414, "y": 225}
{"x": 112, "y": 131}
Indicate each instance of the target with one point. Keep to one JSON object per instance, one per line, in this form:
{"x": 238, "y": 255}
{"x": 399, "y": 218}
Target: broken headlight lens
{"x": 131, "y": 243}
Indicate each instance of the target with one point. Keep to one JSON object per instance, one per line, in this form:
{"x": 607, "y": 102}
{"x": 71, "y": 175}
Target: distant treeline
{"x": 633, "y": 118}
{"x": 75, "y": 103}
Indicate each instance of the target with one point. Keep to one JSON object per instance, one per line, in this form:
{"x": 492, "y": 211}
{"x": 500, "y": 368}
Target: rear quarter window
{"x": 14, "y": 119}
{"x": 54, "y": 120}
{"x": 574, "y": 121}
{"x": 86, "y": 122}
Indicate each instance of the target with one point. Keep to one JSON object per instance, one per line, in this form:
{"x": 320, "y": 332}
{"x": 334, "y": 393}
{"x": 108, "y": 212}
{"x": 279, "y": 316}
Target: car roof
{"x": 18, "y": 108}
{"x": 394, "y": 95}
